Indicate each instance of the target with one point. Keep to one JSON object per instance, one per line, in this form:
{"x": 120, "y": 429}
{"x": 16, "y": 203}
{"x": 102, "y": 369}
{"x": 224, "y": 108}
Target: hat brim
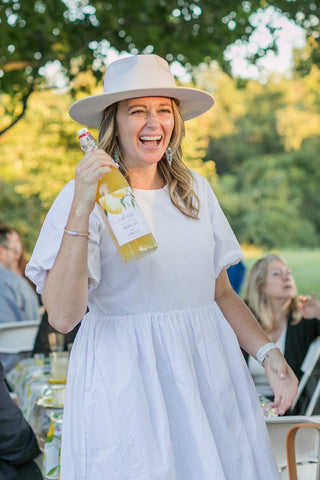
{"x": 192, "y": 103}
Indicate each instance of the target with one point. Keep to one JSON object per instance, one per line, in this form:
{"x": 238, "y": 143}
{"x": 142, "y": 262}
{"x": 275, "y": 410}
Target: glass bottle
{"x": 128, "y": 227}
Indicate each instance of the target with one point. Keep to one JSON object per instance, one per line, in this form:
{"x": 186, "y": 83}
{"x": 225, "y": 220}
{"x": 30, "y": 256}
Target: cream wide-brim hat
{"x": 139, "y": 76}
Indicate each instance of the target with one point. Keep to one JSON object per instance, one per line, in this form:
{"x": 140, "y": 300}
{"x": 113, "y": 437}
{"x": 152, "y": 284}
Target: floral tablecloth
{"x": 267, "y": 410}
{"x": 41, "y": 401}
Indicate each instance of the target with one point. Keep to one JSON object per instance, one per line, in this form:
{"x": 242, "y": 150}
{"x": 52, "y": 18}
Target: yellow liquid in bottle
{"x": 115, "y": 183}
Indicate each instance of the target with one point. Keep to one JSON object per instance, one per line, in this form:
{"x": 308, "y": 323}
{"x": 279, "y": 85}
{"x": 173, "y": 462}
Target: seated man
{"x": 18, "y": 444}
{"x": 9, "y": 309}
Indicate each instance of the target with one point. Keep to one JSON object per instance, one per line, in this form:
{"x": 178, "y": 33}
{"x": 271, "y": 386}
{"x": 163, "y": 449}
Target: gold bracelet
{"x": 76, "y": 234}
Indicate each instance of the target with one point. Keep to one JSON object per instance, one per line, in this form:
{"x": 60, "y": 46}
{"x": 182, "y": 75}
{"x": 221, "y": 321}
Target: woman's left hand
{"x": 282, "y": 379}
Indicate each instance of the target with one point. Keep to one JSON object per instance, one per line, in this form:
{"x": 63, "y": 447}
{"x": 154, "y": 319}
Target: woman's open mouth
{"x": 150, "y": 140}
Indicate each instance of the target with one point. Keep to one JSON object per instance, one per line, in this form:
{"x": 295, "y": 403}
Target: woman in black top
{"x": 292, "y": 322}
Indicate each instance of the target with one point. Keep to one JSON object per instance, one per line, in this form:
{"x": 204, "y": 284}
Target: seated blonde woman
{"x": 292, "y": 322}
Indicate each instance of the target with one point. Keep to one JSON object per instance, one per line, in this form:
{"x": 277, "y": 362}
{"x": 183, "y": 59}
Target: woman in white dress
{"x": 157, "y": 386}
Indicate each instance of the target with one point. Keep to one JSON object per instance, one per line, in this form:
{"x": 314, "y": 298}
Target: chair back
{"x": 298, "y": 453}
{"x": 306, "y": 444}
{"x": 311, "y": 373}
{"x": 18, "y": 337}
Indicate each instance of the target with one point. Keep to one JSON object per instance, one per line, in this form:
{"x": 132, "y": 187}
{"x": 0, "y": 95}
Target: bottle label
{"x": 124, "y": 215}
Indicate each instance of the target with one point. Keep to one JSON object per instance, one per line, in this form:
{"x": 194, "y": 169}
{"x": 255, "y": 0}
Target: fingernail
{"x": 282, "y": 375}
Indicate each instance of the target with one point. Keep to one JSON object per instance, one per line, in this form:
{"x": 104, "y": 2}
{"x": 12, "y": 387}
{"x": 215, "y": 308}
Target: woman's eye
{"x": 136, "y": 111}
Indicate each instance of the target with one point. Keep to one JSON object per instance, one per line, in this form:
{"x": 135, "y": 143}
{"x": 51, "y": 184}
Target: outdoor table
{"x": 41, "y": 400}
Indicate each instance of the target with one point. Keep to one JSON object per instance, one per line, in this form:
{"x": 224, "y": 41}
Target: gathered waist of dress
{"x": 178, "y": 312}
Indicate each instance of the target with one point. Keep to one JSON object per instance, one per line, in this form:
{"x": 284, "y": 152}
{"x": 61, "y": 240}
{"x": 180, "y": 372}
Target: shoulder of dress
{"x": 196, "y": 176}
{"x": 201, "y": 183}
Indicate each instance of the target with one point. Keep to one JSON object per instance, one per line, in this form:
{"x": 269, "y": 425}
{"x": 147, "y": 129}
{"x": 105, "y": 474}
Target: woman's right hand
{"x": 92, "y": 167}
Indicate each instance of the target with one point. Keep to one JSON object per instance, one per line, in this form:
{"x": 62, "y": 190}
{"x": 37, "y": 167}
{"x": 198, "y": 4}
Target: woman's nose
{"x": 152, "y": 119}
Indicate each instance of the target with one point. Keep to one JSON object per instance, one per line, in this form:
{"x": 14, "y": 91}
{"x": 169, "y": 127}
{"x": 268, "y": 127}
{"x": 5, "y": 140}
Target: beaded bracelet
{"x": 76, "y": 234}
{"x": 263, "y": 352}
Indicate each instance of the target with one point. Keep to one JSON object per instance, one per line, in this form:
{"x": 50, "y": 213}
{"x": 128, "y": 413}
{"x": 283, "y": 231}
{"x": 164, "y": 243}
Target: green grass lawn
{"x": 305, "y": 266}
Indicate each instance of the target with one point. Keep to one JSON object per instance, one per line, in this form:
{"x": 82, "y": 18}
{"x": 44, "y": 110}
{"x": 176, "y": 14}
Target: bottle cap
{"x": 82, "y": 131}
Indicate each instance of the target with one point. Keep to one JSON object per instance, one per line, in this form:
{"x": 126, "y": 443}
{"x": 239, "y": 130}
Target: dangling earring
{"x": 169, "y": 155}
{"x": 116, "y": 154}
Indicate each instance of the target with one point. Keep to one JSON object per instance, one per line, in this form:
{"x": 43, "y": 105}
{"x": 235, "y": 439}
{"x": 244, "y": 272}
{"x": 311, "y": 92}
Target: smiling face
{"x": 279, "y": 282}
{"x": 144, "y": 129}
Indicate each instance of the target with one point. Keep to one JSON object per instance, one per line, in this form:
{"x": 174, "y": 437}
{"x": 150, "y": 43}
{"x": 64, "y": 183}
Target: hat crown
{"x": 137, "y": 76}
{"x": 137, "y": 73}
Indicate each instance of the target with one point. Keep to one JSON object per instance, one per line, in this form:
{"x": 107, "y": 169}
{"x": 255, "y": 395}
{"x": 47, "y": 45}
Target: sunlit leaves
{"x": 35, "y": 32}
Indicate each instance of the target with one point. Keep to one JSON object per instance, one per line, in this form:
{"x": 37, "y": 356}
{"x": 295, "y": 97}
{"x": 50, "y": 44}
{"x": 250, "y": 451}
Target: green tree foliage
{"x": 195, "y": 146}
{"x": 250, "y": 116}
{"x": 261, "y": 118}
{"x": 77, "y": 34}
{"x": 265, "y": 141}
{"x": 40, "y": 154}
{"x": 273, "y": 200}
{"x": 38, "y": 157}
{"x": 23, "y": 213}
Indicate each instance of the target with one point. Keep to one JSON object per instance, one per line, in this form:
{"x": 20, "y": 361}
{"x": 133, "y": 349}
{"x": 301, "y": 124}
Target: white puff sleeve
{"x": 227, "y": 249}
{"x": 50, "y": 237}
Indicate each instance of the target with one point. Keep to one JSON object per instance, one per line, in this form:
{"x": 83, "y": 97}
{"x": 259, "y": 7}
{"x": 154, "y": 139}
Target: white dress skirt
{"x": 157, "y": 386}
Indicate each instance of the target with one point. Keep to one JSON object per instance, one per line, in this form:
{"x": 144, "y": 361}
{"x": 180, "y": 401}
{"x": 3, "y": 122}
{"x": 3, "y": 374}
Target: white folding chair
{"x": 18, "y": 337}
{"x": 307, "y": 443}
{"x": 309, "y": 367}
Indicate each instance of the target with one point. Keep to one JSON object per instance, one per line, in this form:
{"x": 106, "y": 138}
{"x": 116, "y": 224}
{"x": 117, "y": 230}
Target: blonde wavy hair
{"x": 177, "y": 176}
{"x": 257, "y": 300}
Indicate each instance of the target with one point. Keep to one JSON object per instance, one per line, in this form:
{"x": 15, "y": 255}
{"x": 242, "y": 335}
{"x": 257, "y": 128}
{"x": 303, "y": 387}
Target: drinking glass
{"x": 56, "y": 342}
{"x": 59, "y": 365}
